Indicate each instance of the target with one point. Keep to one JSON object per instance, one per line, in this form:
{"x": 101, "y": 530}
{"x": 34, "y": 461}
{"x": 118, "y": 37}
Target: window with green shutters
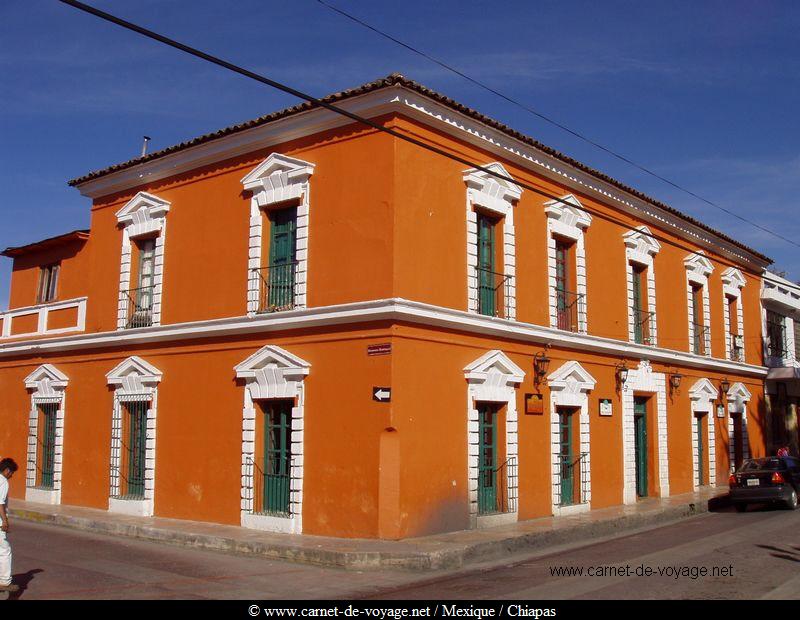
{"x": 566, "y": 456}
{"x": 280, "y": 276}
{"x": 701, "y": 440}
{"x": 48, "y": 414}
{"x": 640, "y": 445}
{"x": 135, "y": 443}
{"x": 487, "y": 302}
{"x": 699, "y": 345}
{"x": 641, "y": 318}
{"x": 487, "y": 458}
{"x": 277, "y": 457}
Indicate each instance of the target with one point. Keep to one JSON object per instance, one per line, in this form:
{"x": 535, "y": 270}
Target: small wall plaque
{"x": 534, "y": 405}
{"x": 720, "y": 411}
{"x": 606, "y": 408}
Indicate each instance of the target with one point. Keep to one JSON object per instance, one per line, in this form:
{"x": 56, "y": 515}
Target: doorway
{"x": 640, "y": 445}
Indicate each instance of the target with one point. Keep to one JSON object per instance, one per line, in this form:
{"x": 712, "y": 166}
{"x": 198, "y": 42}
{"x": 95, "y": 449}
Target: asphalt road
{"x": 746, "y": 556}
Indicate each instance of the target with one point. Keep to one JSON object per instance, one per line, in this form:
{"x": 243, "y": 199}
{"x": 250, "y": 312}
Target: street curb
{"x": 432, "y": 555}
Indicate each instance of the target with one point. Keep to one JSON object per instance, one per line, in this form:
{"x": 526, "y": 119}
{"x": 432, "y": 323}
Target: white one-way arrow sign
{"x": 382, "y": 394}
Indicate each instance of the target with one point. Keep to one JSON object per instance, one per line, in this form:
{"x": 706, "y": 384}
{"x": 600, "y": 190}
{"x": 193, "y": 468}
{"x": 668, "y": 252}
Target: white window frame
{"x": 641, "y": 248}
{"x": 569, "y": 387}
{"x": 493, "y": 377}
{"x": 47, "y": 385}
{"x": 732, "y": 284}
{"x": 698, "y": 269}
{"x": 702, "y": 395}
{"x": 270, "y": 373}
{"x": 279, "y": 178}
{"x": 143, "y": 215}
{"x": 497, "y": 197}
{"x": 738, "y": 398}
{"x": 642, "y": 380}
{"x": 566, "y": 217}
{"x": 134, "y": 380}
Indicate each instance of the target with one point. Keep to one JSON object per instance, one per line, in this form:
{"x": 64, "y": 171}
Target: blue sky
{"x": 706, "y": 93}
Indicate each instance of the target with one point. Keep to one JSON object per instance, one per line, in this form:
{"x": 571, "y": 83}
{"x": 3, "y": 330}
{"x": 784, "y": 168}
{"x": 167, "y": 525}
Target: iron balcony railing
{"x": 494, "y": 293}
{"x": 569, "y": 310}
{"x": 571, "y": 480}
{"x": 497, "y": 491}
{"x": 271, "y": 490}
{"x": 642, "y": 326}
{"x": 699, "y": 345}
{"x": 129, "y": 486}
{"x": 276, "y": 287}
{"x": 138, "y": 304}
{"x": 737, "y": 348}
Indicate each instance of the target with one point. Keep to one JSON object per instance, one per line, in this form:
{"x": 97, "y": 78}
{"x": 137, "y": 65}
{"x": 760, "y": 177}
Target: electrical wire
{"x": 551, "y": 121}
{"x": 355, "y": 117}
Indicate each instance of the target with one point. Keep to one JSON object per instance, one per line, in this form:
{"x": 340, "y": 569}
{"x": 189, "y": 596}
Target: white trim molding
{"x": 47, "y": 385}
{"x": 278, "y": 179}
{"x": 703, "y": 394}
{"x": 43, "y": 316}
{"x": 271, "y": 373}
{"x": 497, "y": 197}
{"x": 134, "y": 380}
{"x": 643, "y": 380}
{"x": 493, "y": 377}
{"x": 738, "y": 398}
{"x": 641, "y": 248}
{"x": 732, "y": 284}
{"x": 569, "y": 387}
{"x": 567, "y": 218}
{"x": 698, "y": 268}
{"x": 143, "y": 215}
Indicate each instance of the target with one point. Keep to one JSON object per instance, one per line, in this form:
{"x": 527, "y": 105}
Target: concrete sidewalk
{"x": 441, "y": 551}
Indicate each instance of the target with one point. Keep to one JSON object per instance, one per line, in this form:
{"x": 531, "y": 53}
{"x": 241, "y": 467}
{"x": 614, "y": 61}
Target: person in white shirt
{"x": 7, "y": 469}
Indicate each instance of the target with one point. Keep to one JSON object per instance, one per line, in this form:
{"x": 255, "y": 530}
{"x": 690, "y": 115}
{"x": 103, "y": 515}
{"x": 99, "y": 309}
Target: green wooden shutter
{"x": 282, "y": 251}
{"x": 487, "y": 458}
{"x": 638, "y": 314}
{"x": 486, "y": 266}
{"x": 277, "y": 456}
{"x": 701, "y": 475}
{"x": 137, "y": 443}
{"x": 48, "y": 441}
{"x": 566, "y": 457}
{"x": 640, "y": 445}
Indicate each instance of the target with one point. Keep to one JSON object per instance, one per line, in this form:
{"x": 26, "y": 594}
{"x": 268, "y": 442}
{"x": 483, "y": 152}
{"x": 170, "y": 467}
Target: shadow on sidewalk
{"x": 22, "y": 580}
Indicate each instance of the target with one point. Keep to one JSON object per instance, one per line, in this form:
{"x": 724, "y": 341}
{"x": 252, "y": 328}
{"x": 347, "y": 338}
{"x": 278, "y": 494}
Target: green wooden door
{"x": 277, "y": 456}
{"x": 137, "y": 439}
{"x": 486, "y": 266}
{"x": 738, "y": 440}
{"x": 282, "y": 251}
{"x": 487, "y": 458}
{"x": 640, "y": 447}
{"x": 701, "y": 470}
{"x": 566, "y": 457}
{"x": 48, "y": 444}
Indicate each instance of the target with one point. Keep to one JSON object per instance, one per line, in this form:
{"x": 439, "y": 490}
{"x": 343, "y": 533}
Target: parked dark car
{"x": 766, "y": 480}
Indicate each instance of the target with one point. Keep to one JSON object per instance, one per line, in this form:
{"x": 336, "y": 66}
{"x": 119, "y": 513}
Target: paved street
{"x": 761, "y": 548}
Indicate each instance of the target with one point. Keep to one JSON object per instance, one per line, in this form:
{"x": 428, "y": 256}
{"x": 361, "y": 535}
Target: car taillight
{"x": 732, "y": 481}
{"x": 777, "y": 478}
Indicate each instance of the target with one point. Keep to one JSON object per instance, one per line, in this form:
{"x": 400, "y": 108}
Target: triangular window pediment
{"x": 568, "y": 211}
{"x": 641, "y": 241}
{"x": 46, "y": 380}
{"x": 273, "y": 372}
{"x": 699, "y": 264}
{"x": 733, "y": 277}
{"x": 142, "y": 207}
{"x": 483, "y": 184}
{"x": 571, "y": 376}
{"x": 703, "y": 389}
{"x": 134, "y": 369}
{"x": 494, "y": 364}
{"x": 739, "y": 392}
{"x": 278, "y": 171}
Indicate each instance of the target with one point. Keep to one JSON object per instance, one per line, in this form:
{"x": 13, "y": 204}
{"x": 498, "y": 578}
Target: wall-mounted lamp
{"x": 674, "y": 382}
{"x": 540, "y": 365}
{"x": 725, "y": 385}
{"x": 621, "y": 372}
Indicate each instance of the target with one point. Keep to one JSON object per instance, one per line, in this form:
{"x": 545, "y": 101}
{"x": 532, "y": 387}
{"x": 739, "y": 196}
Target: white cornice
{"x": 381, "y": 310}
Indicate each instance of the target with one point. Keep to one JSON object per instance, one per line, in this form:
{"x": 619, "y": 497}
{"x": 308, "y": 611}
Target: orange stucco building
{"x": 302, "y": 324}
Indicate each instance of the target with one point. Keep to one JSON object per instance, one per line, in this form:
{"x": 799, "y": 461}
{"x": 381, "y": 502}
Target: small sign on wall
{"x": 720, "y": 411}
{"x": 606, "y": 409}
{"x": 534, "y": 405}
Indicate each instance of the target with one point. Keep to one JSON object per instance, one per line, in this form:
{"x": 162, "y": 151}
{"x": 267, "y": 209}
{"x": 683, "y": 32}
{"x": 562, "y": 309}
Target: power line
{"x": 549, "y": 120}
{"x": 355, "y": 117}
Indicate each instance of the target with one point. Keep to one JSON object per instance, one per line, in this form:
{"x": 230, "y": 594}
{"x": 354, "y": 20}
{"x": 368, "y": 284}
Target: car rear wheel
{"x": 791, "y": 503}
{"x": 740, "y": 507}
